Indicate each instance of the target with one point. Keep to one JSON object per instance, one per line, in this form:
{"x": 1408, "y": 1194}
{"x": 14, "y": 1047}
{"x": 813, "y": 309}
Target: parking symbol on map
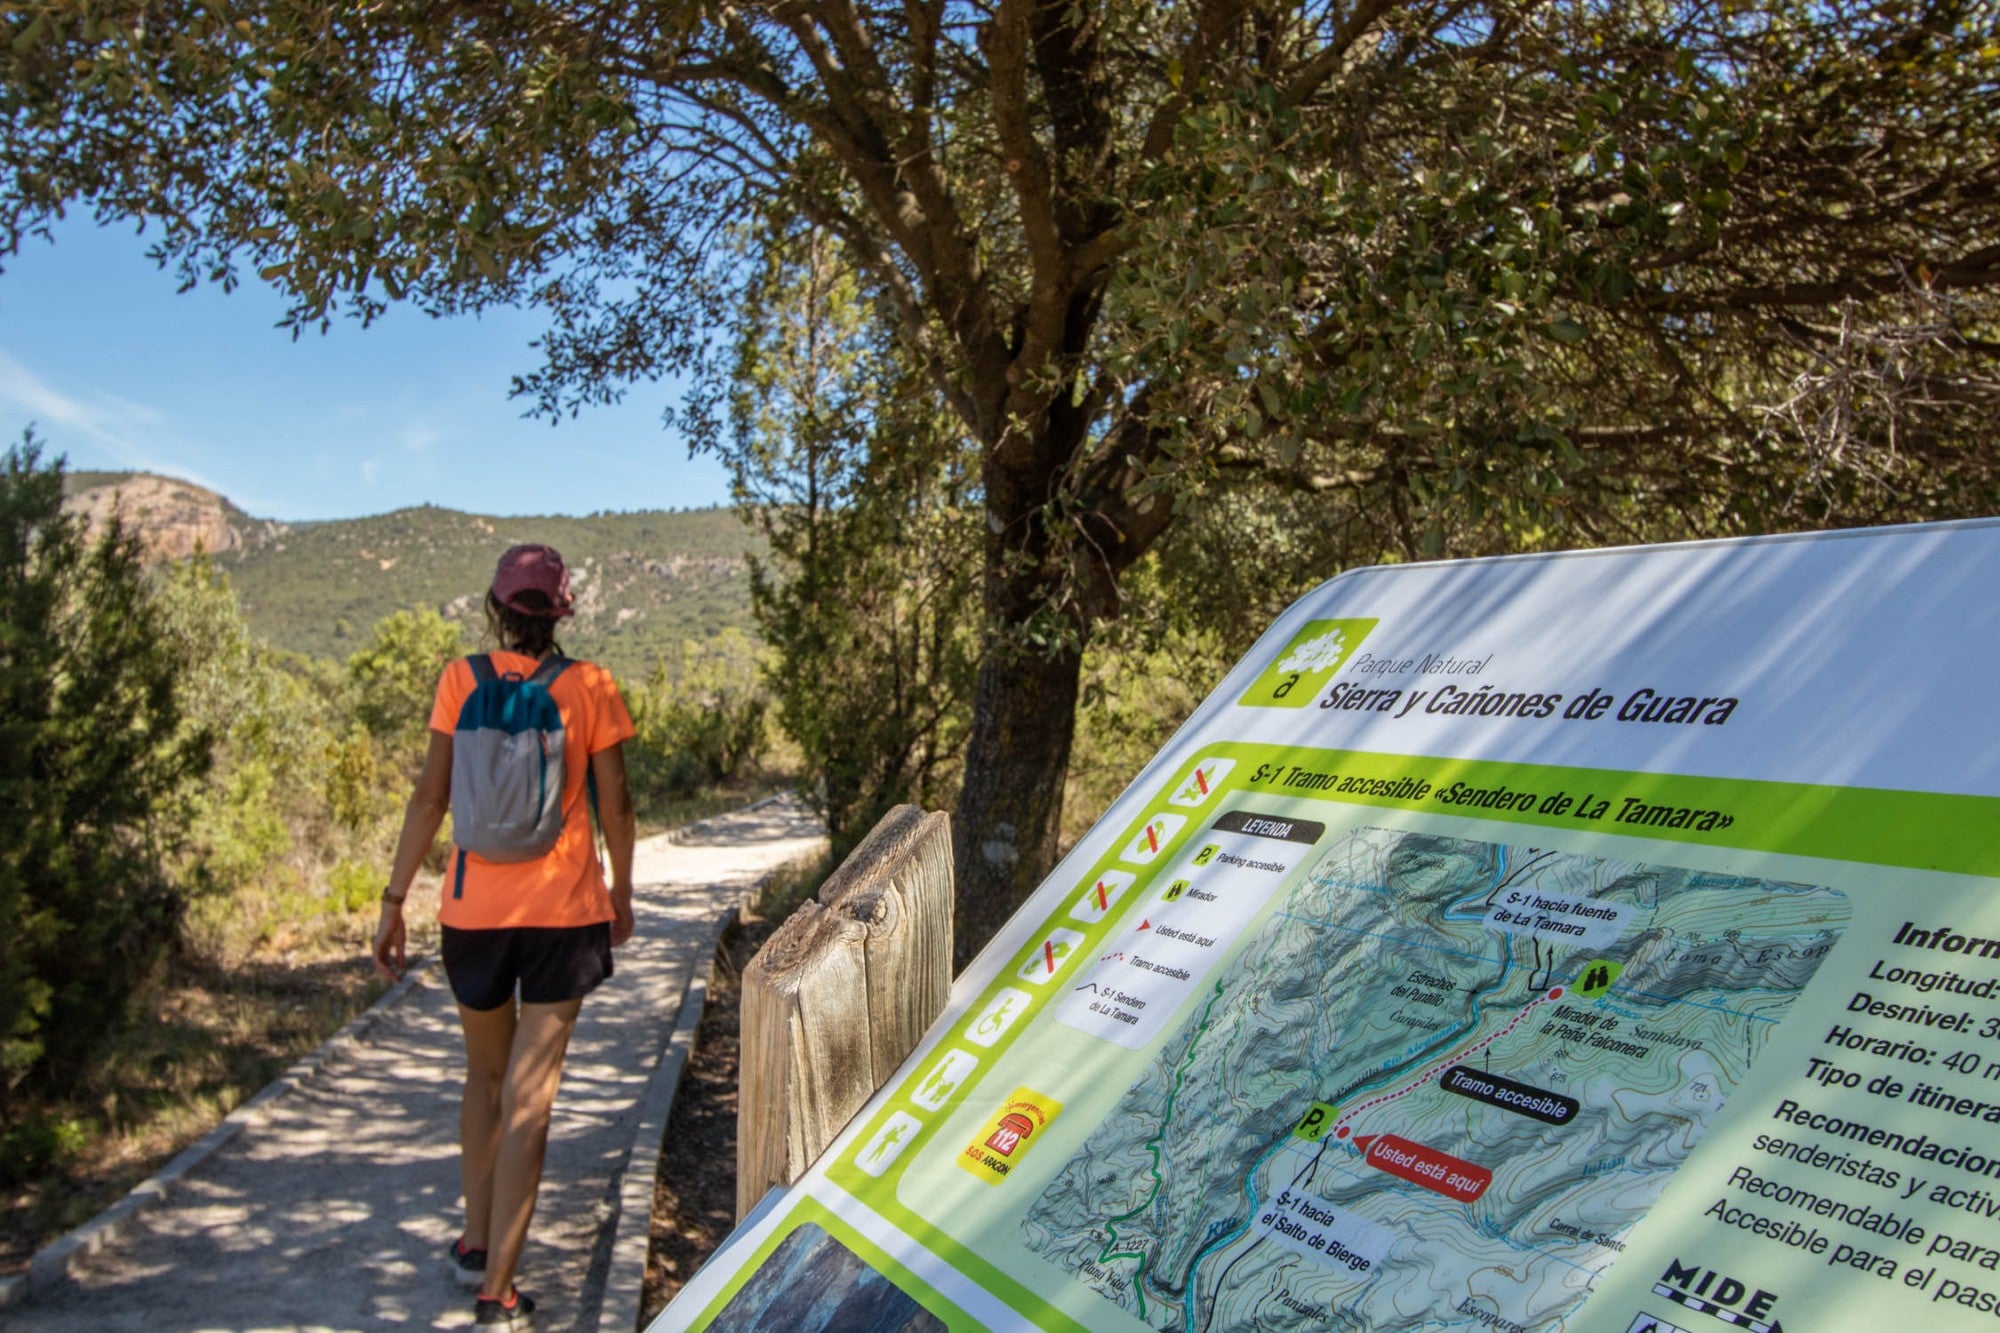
{"x": 1202, "y": 782}
{"x": 944, "y": 1079}
{"x": 1101, "y": 896}
{"x": 1316, "y": 1123}
{"x": 1153, "y": 838}
{"x": 998, "y": 1015}
{"x": 888, "y": 1143}
{"x": 1056, "y": 949}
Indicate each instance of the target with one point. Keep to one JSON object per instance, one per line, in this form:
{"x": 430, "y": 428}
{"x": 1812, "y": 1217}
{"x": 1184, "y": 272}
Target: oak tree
{"x": 1488, "y": 272}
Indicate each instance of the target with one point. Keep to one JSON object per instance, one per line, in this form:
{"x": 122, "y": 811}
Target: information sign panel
{"x": 1593, "y": 942}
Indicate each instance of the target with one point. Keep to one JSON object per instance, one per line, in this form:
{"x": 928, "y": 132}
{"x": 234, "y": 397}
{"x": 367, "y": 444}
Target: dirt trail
{"x": 332, "y": 1208}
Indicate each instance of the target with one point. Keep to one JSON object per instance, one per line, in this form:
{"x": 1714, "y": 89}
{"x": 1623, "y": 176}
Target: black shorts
{"x": 549, "y": 963}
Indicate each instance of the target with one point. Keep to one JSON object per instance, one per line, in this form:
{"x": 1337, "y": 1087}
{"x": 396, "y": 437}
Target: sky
{"x": 118, "y": 371}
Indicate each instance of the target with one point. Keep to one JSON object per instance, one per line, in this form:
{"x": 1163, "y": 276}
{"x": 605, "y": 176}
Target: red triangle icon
{"x": 1362, "y": 1141}
{"x": 1146, "y": 924}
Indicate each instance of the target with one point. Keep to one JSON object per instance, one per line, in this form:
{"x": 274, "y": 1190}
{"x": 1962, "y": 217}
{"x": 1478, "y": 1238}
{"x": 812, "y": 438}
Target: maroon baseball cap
{"x": 533, "y": 568}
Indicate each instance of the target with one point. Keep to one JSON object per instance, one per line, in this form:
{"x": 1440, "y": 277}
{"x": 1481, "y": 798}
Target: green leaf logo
{"x": 1308, "y": 662}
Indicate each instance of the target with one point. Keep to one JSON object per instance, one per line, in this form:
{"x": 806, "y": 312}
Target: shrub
{"x": 91, "y": 748}
{"x": 37, "y": 1144}
{"x": 361, "y": 789}
{"x": 704, "y": 725}
{"x": 392, "y": 680}
{"x": 353, "y": 885}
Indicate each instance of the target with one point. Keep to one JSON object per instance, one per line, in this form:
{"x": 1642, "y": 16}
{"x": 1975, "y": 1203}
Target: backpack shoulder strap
{"x": 551, "y": 667}
{"x": 482, "y": 668}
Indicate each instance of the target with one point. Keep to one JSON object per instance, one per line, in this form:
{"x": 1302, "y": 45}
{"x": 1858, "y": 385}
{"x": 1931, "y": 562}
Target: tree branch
{"x": 1212, "y": 20}
{"x": 1338, "y": 54}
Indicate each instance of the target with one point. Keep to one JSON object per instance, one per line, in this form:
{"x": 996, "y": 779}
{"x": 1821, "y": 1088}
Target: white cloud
{"x": 371, "y": 469}
{"x": 137, "y": 414}
{"x": 24, "y": 390}
{"x": 418, "y": 438}
{"x": 105, "y": 418}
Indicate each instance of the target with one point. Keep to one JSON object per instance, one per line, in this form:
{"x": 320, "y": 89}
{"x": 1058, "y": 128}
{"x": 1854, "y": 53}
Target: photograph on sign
{"x": 813, "y": 1281}
{"x": 1595, "y": 942}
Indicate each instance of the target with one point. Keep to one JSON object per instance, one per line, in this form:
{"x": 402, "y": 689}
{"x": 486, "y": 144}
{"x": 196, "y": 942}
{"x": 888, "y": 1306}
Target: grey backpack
{"x": 507, "y": 765}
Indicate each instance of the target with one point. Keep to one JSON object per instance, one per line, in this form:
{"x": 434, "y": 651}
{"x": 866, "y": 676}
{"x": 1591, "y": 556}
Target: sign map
{"x": 1353, "y": 1086}
{"x": 1592, "y": 943}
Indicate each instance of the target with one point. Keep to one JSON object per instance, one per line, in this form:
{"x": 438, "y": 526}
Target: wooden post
{"x": 839, "y": 995}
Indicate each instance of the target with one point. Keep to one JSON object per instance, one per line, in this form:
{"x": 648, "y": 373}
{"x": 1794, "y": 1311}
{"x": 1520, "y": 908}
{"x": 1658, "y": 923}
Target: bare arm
{"x": 614, "y": 815}
{"x": 428, "y": 805}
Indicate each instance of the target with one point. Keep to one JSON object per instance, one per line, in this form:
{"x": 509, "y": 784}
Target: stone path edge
{"x": 632, "y": 1237}
{"x": 50, "y": 1266}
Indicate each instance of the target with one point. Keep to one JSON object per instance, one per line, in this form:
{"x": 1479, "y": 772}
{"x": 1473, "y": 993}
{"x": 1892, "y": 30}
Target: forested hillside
{"x": 644, "y": 581}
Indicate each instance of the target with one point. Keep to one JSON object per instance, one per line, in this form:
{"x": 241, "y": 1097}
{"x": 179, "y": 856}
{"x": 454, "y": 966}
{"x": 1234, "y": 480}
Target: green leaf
{"x": 31, "y": 36}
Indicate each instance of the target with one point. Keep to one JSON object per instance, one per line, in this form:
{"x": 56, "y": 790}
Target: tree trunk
{"x": 1010, "y": 809}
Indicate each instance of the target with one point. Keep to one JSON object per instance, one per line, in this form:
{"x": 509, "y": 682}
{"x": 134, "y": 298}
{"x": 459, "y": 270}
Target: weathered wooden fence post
{"x": 839, "y": 995}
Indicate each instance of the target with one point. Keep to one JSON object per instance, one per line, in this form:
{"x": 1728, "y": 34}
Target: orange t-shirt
{"x": 565, "y": 887}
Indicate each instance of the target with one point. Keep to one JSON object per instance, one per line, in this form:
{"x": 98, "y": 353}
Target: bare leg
{"x": 489, "y": 1042}
{"x": 540, "y": 1040}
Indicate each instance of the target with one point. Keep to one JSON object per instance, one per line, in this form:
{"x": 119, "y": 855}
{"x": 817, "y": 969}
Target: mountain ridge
{"x": 643, "y": 580}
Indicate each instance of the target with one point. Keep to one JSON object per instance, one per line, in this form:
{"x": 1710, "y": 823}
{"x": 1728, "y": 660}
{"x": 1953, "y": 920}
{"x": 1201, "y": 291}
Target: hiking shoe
{"x": 517, "y": 1311}
{"x": 468, "y": 1267}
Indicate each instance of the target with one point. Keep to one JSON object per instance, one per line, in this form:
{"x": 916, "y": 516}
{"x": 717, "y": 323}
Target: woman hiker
{"x": 528, "y": 922}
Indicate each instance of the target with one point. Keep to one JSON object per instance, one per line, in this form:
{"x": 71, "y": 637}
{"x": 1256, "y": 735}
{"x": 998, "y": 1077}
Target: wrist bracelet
{"x": 389, "y": 897}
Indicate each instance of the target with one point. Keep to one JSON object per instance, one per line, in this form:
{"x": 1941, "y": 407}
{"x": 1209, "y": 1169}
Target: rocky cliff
{"x": 174, "y": 519}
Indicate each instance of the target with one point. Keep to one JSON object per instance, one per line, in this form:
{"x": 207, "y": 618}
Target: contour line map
{"x": 1234, "y": 1186}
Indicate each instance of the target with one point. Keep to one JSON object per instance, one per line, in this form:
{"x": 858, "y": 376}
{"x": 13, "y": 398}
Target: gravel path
{"x": 331, "y": 1209}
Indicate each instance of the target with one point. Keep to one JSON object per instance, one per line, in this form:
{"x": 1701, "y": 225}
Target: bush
{"x": 392, "y": 680}
{"x": 704, "y": 725}
{"x": 353, "y": 885}
{"x": 37, "y": 1144}
{"x": 267, "y": 792}
{"x": 91, "y": 748}
{"x": 289, "y": 838}
{"x": 362, "y": 790}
